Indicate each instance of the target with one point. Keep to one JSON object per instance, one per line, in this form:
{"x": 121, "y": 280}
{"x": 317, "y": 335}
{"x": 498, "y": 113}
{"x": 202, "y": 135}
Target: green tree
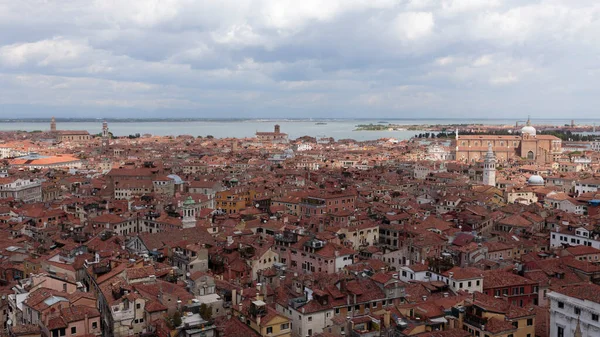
{"x": 205, "y": 311}
{"x": 176, "y": 320}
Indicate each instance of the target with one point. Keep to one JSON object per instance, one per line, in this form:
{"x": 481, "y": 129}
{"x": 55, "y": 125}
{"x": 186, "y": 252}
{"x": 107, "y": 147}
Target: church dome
{"x": 535, "y": 180}
{"x": 528, "y": 129}
{"x": 177, "y": 179}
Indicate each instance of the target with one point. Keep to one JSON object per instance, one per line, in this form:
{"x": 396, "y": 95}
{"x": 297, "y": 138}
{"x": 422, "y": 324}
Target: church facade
{"x": 541, "y": 149}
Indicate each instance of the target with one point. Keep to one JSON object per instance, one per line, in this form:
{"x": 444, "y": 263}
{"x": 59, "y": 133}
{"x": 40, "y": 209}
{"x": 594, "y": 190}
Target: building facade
{"x": 575, "y": 310}
{"x": 21, "y": 189}
{"x": 538, "y": 148}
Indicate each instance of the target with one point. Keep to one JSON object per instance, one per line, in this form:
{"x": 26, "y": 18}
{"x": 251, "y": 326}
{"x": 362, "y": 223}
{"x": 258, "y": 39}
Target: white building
{"x": 458, "y": 278}
{"x": 304, "y": 147}
{"x": 573, "y": 236}
{"x": 421, "y": 171}
{"x": 489, "y": 167}
{"x": 415, "y": 272}
{"x": 575, "y": 310}
{"x": 26, "y": 190}
{"x": 588, "y": 185}
{"x": 437, "y": 152}
{"x": 7, "y": 151}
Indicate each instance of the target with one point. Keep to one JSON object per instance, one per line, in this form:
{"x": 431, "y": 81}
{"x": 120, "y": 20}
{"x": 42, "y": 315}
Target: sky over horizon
{"x": 294, "y": 59}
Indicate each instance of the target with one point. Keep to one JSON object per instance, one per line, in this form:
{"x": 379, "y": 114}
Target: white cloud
{"x": 413, "y": 25}
{"x": 454, "y": 7}
{"x": 345, "y": 54}
{"x": 504, "y": 80}
{"x": 43, "y": 53}
{"x": 483, "y": 61}
{"x": 444, "y": 61}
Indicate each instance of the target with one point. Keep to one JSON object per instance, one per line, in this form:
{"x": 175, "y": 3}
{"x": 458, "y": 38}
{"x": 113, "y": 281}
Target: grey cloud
{"x": 338, "y": 58}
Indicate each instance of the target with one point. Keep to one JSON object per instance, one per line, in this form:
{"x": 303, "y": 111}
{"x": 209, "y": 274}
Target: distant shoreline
{"x": 463, "y": 121}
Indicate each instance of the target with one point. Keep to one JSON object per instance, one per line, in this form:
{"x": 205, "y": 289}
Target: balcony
{"x": 180, "y": 256}
{"x": 475, "y": 321}
{"x": 356, "y": 333}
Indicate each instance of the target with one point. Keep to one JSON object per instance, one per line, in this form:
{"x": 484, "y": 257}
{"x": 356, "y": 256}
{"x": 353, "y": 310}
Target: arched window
{"x": 530, "y": 155}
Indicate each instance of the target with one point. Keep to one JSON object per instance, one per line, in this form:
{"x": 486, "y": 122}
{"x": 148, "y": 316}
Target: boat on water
{"x": 383, "y": 122}
{"x": 320, "y": 123}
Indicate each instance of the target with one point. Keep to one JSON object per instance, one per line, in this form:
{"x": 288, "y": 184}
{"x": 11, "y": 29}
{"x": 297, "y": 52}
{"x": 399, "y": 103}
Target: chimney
{"x": 424, "y": 298}
{"x": 234, "y": 297}
{"x": 386, "y": 318}
{"x": 87, "y": 324}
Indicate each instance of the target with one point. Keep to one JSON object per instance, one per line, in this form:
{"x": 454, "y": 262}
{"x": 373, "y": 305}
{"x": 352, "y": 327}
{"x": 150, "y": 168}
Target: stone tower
{"x": 189, "y": 213}
{"x": 489, "y": 167}
{"x": 53, "y": 125}
{"x": 277, "y": 128}
{"x": 105, "y": 135}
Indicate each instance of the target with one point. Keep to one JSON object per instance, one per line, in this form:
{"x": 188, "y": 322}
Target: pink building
{"x": 311, "y": 255}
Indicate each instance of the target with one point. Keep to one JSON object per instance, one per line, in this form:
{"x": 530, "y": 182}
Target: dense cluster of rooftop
{"x": 267, "y": 236}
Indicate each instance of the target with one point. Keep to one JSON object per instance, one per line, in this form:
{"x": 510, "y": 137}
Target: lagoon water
{"x": 338, "y": 129}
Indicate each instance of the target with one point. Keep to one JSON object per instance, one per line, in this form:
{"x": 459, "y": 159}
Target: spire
{"x": 528, "y": 120}
{"x": 456, "y": 150}
{"x": 578, "y": 329}
{"x": 490, "y": 152}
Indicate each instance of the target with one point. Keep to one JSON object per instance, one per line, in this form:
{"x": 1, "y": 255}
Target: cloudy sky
{"x": 291, "y": 58}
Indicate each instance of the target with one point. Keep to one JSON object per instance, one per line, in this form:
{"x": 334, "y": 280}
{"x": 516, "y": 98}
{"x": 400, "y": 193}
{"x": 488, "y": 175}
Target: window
{"x": 94, "y": 325}
{"x": 310, "y": 332}
{"x": 284, "y": 326}
{"x": 560, "y": 332}
{"x": 516, "y": 324}
{"x": 529, "y": 321}
{"x": 595, "y": 317}
{"x": 269, "y": 329}
{"x": 138, "y": 306}
{"x": 577, "y": 311}
{"x": 310, "y": 318}
{"x": 561, "y": 305}
{"x": 73, "y": 330}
